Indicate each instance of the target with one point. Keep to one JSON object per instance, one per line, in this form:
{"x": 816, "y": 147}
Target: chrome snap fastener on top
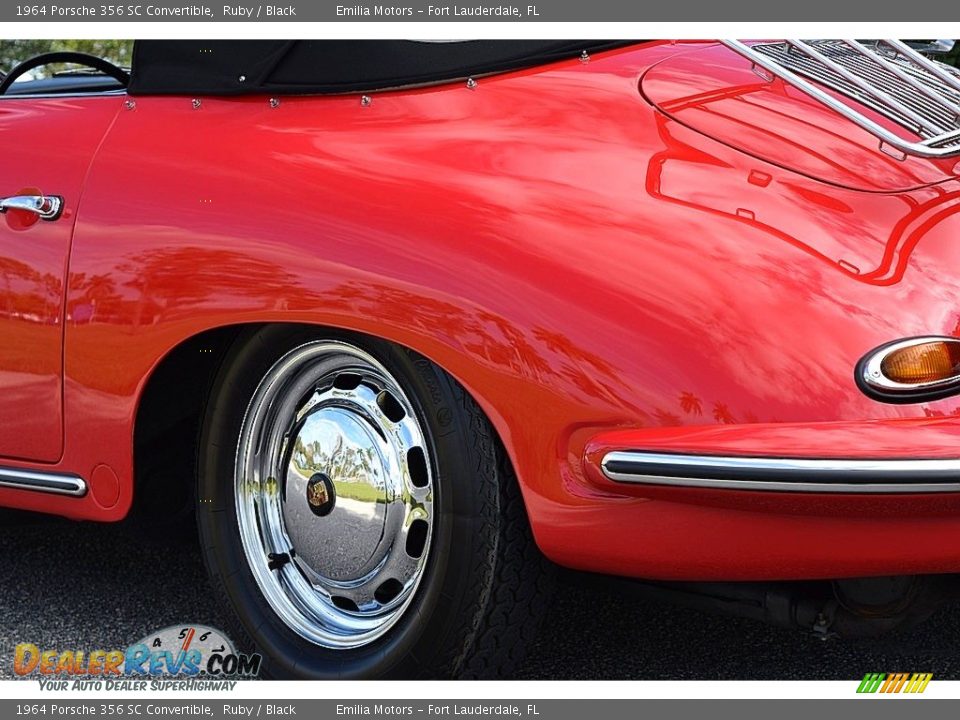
{"x": 333, "y": 476}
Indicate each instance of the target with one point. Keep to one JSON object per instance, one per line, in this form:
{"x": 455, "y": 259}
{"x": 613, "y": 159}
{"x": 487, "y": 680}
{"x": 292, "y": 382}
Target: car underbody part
{"x": 885, "y": 77}
{"x": 854, "y": 607}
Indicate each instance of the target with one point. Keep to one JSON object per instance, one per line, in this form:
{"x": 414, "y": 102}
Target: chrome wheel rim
{"x": 334, "y": 494}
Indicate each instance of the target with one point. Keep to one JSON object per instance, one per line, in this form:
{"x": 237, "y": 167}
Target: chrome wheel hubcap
{"x": 334, "y": 494}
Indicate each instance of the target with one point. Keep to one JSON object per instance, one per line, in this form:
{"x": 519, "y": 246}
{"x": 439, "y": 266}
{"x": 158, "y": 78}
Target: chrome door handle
{"x": 47, "y": 207}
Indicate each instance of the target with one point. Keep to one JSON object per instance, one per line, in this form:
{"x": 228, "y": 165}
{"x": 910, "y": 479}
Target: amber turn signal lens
{"x": 923, "y": 363}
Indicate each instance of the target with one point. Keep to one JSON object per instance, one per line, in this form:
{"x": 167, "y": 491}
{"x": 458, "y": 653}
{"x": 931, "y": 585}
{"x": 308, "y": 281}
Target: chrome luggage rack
{"x": 920, "y": 95}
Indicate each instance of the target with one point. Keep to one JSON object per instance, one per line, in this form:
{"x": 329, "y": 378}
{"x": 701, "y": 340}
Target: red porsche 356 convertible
{"x": 400, "y": 320}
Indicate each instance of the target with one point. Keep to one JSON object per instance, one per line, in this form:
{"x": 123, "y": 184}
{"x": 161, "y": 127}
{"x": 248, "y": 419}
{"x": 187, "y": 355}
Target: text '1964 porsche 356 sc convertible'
{"x": 408, "y": 324}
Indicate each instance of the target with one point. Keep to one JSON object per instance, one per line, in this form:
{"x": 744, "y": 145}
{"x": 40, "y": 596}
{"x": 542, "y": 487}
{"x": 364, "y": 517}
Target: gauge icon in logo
{"x": 180, "y": 649}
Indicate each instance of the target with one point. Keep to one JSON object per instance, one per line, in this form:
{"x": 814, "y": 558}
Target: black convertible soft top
{"x": 298, "y": 67}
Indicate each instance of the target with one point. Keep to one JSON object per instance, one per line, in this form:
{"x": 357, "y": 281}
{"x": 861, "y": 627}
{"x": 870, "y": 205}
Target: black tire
{"x": 478, "y": 603}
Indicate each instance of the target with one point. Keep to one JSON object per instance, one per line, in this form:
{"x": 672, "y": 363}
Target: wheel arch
{"x": 172, "y": 400}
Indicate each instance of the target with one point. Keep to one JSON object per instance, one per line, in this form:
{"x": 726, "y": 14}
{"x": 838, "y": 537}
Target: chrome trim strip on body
{"x": 55, "y": 483}
{"x": 783, "y": 474}
{"x": 119, "y": 92}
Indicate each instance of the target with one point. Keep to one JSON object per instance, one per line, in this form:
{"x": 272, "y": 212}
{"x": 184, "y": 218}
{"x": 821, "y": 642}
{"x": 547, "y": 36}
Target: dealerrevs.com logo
{"x": 888, "y": 683}
{"x": 200, "y": 657}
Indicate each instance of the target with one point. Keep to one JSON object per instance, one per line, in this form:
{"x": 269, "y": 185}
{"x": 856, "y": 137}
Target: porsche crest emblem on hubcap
{"x": 321, "y": 496}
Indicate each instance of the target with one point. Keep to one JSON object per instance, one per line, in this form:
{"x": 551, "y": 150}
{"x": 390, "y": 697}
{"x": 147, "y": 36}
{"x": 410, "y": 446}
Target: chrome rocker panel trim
{"x": 54, "y": 483}
{"x": 783, "y": 474}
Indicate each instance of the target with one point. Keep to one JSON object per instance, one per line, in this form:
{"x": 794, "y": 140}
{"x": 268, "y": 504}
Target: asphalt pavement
{"x": 84, "y": 585}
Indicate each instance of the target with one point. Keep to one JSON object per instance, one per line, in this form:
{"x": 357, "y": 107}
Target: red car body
{"x": 654, "y": 250}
